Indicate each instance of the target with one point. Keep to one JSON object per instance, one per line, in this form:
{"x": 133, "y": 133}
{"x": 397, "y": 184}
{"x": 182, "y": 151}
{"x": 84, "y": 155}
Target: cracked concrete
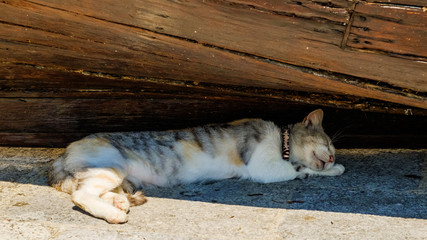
{"x": 382, "y": 195}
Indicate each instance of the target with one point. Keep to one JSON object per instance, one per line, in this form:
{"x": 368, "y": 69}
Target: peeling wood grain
{"x": 333, "y": 10}
{"x": 111, "y": 49}
{"x": 390, "y": 28}
{"x": 290, "y": 39}
{"x": 68, "y": 68}
{"x": 37, "y": 81}
{"x": 420, "y": 3}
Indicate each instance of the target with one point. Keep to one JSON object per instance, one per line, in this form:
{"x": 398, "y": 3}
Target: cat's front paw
{"x": 337, "y": 170}
{"x": 116, "y": 217}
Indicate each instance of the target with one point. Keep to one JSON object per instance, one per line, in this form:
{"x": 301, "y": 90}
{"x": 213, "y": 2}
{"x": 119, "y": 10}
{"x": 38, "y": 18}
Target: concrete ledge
{"x": 382, "y": 195}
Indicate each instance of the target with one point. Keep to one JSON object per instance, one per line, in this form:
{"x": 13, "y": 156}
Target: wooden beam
{"x": 88, "y": 45}
{"x": 286, "y": 31}
{"x": 40, "y": 82}
{"x": 68, "y": 69}
{"x": 420, "y": 3}
{"x": 56, "y": 121}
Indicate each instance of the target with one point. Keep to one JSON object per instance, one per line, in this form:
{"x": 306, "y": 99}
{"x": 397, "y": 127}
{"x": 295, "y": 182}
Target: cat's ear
{"x": 314, "y": 119}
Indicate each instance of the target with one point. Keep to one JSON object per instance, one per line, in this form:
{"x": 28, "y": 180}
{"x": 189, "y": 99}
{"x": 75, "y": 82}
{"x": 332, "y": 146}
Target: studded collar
{"x": 286, "y": 131}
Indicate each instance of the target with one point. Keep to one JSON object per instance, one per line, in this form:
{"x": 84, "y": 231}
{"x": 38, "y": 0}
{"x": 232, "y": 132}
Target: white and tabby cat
{"x": 105, "y": 172}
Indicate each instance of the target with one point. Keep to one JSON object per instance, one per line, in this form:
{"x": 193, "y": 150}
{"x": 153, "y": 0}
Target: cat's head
{"x": 310, "y": 145}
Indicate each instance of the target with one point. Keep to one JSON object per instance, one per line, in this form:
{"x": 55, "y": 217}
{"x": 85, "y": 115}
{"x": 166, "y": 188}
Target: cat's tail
{"x": 136, "y": 199}
{"x": 133, "y": 194}
{"x": 59, "y": 178}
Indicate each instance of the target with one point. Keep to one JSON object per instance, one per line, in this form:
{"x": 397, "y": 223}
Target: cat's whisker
{"x": 338, "y": 135}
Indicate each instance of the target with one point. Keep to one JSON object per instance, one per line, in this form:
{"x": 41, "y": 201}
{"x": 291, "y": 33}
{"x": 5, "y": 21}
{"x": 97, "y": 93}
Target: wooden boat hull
{"x": 68, "y": 68}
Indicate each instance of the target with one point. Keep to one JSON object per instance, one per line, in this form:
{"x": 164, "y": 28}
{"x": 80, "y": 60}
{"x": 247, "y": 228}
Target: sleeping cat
{"x": 105, "y": 172}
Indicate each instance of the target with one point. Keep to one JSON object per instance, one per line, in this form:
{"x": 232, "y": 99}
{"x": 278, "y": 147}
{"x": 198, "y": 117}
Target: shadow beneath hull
{"x": 376, "y": 182}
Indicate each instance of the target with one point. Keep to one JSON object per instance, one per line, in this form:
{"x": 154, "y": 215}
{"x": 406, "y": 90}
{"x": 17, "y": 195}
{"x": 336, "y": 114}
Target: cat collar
{"x": 285, "y": 142}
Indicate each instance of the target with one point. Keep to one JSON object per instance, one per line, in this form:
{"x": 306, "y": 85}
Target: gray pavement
{"x": 382, "y": 195}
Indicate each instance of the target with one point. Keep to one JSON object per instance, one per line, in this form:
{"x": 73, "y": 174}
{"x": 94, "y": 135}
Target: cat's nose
{"x": 331, "y": 158}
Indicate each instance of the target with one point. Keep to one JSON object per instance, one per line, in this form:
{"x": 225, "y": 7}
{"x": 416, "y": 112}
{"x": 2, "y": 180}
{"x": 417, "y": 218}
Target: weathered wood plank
{"x": 310, "y": 42}
{"x": 124, "y": 51}
{"x": 75, "y": 115}
{"x": 332, "y": 10}
{"x": 70, "y": 69}
{"x": 346, "y": 141}
{"x": 390, "y": 28}
{"x": 421, "y": 3}
{"x": 28, "y": 81}
{"x": 124, "y": 112}
{"x": 25, "y": 139}
{"x": 130, "y": 53}
{"x": 58, "y": 121}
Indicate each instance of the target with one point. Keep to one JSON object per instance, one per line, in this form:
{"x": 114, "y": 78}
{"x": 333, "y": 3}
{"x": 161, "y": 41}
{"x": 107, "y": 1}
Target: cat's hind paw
{"x": 116, "y": 217}
{"x": 119, "y": 201}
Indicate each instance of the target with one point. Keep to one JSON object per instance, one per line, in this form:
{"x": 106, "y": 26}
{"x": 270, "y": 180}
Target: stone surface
{"x": 382, "y": 195}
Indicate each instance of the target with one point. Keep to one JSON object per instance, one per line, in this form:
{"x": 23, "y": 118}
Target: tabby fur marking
{"x": 105, "y": 172}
